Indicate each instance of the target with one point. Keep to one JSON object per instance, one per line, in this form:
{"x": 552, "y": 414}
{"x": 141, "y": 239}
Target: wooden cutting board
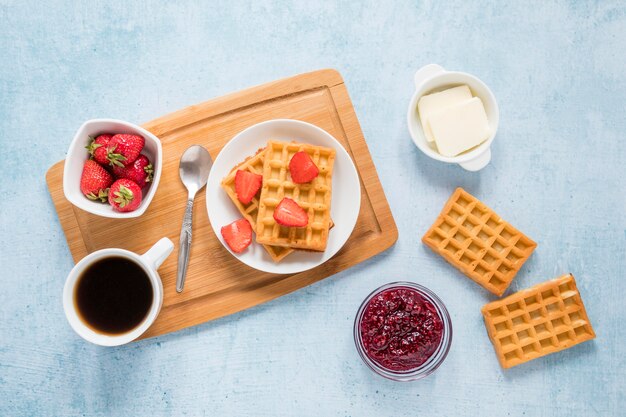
{"x": 217, "y": 284}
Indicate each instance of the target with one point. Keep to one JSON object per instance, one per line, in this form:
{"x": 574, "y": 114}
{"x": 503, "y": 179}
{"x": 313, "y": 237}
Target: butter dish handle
{"x": 426, "y": 72}
{"x": 477, "y": 163}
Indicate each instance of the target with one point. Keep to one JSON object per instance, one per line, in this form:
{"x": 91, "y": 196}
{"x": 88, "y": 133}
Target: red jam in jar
{"x": 400, "y": 329}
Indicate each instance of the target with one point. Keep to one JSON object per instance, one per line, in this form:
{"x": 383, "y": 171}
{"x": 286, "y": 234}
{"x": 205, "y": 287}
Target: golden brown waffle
{"x": 475, "y": 240}
{"x": 313, "y": 197}
{"x": 250, "y": 211}
{"x": 537, "y": 321}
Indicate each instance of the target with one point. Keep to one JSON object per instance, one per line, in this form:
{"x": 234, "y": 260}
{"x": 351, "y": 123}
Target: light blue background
{"x": 557, "y": 70}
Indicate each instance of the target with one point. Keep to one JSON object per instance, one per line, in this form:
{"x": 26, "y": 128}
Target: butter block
{"x": 460, "y": 127}
{"x": 431, "y": 103}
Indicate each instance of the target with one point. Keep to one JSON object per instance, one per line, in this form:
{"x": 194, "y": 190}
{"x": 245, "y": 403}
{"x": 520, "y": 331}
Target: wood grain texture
{"x": 217, "y": 284}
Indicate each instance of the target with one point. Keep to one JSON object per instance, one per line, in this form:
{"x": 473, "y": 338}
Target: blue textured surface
{"x": 558, "y": 174}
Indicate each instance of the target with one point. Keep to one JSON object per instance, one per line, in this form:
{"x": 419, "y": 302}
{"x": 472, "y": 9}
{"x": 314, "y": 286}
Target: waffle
{"x": 475, "y": 240}
{"x": 537, "y": 321}
{"x": 250, "y": 211}
{"x": 313, "y": 197}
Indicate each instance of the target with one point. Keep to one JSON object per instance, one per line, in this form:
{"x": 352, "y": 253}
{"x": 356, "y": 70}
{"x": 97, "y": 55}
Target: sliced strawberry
{"x": 302, "y": 168}
{"x": 289, "y": 213}
{"x": 247, "y": 185}
{"x": 238, "y": 235}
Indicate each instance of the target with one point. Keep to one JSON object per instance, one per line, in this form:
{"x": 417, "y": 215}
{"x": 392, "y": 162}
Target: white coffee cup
{"x": 433, "y": 78}
{"x": 149, "y": 262}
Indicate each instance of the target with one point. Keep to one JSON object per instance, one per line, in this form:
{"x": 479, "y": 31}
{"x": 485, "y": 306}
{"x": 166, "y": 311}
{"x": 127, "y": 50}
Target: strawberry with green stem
{"x": 123, "y": 149}
{"x": 141, "y": 171}
{"x": 98, "y": 148}
{"x": 124, "y": 195}
{"x": 95, "y": 181}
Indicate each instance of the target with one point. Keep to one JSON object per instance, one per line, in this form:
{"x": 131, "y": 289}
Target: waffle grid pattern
{"x": 250, "y": 211}
{"x": 535, "y": 322}
{"x": 475, "y": 240}
{"x": 313, "y": 197}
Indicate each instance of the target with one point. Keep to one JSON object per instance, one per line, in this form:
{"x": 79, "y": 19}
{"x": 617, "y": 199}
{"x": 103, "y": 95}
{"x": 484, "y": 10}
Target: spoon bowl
{"x": 194, "y": 168}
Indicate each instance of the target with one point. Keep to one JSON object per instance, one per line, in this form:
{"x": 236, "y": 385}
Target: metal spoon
{"x": 194, "y": 168}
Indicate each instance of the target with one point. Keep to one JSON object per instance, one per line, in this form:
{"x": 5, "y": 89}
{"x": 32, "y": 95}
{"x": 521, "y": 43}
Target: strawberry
{"x": 124, "y": 195}
{"x": 238, "y": 235}
{"x": 98, "y": 148}
{"x": 124, "y": 149}
{"x": 95, "y": 181}
{"x": 289, "y": 213}
{"x": 247, "y": 185}
{"x": 302, "y": 168}
{"x": 140, "y": 171}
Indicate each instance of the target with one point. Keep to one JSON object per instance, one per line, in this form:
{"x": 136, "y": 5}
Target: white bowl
{"x": 345, "y": 202}
{"x": 432, "y": 78}
{"x": 77, "y": 155}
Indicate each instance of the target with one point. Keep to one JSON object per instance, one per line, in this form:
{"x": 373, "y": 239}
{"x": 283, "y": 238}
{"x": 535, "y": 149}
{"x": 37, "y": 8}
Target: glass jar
{"x": 435, "y": 307}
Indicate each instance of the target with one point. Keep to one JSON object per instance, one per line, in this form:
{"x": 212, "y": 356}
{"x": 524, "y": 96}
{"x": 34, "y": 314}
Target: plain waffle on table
{"x": 478, "y": 242}
{"x": 537, "y": 321}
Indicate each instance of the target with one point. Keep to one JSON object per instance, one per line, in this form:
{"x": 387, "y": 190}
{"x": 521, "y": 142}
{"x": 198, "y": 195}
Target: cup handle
{"x": 477, "y": 163}
{"x": 426, "y": 72}
{"x": 158, "y": 253}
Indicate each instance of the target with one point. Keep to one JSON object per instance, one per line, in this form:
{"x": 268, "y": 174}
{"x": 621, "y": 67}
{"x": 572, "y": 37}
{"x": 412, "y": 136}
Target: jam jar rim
{"x": 434, "y": 361}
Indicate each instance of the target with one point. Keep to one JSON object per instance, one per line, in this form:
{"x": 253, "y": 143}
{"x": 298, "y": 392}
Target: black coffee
{"x": 113, "y": 295}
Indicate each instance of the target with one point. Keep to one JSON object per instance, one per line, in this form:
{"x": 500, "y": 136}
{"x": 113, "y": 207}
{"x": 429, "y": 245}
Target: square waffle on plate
{"x": 313, "y": 197}
{"x": 250, "y": 211}
{"x": 478, "y": 242}
{"x": 537, "y": 321}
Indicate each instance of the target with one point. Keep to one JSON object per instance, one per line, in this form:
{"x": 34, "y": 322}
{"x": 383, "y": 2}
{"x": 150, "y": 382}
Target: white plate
{"x": 345, "y": 203}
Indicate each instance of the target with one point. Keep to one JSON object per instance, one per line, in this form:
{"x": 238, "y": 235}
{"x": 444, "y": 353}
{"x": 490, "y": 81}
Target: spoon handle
{"x": 184, "y": 246}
